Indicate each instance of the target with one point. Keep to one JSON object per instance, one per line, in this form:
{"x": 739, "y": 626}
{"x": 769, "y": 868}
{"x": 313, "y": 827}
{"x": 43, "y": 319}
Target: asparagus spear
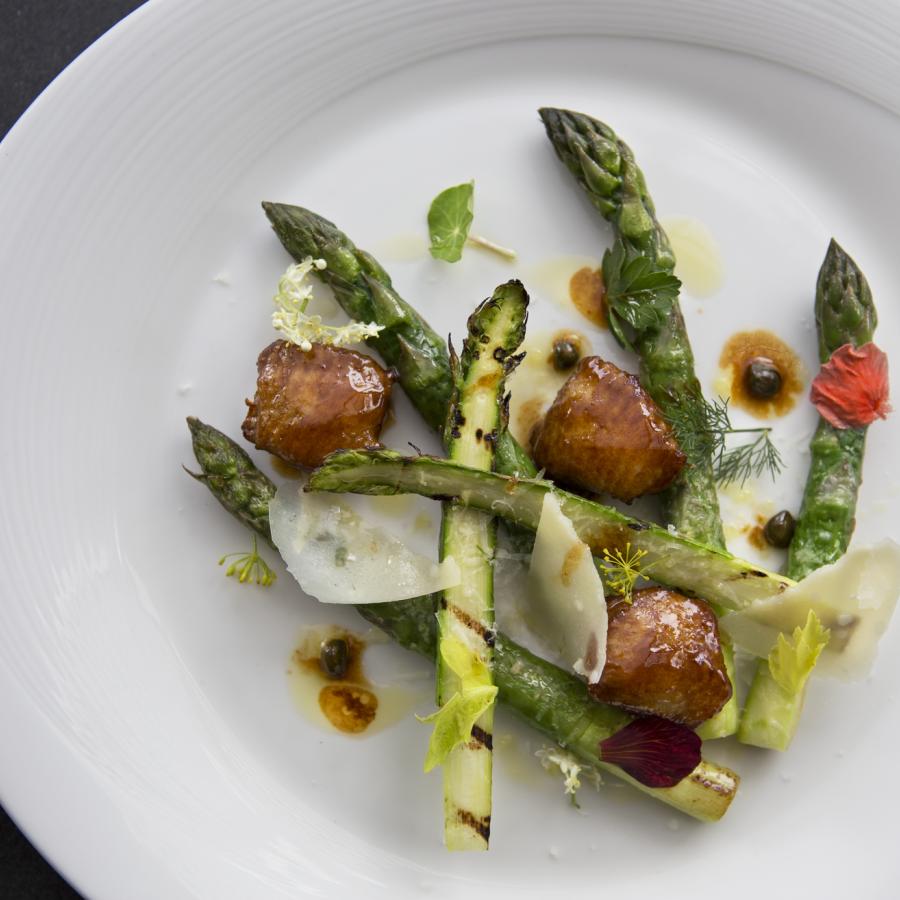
{"x": 642, "y": 299}
{"x": 676, "y": 561}
{"x": 465, "y": 614}
{"x": 845, "y": 314}
{"x": 642, "y": 295}
{"x": 553, "y": 701}
{"x": 364, "y": 290}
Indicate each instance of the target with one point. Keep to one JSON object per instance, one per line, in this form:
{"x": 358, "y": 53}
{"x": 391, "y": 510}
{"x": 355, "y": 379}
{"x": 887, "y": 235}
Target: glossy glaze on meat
{"x": 663, "y": 658}
{"x": 604, "y": 434}
{"x": 310, "y": 403}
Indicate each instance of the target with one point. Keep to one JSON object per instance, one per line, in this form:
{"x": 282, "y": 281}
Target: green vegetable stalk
{"x": 644, "y": 314}
{"x": 675, "y": 560}
{"x": 465, "y": 614}
{"x": 555, "y": 702}
{"x": 845, "y": 314}
{"x": 407, "y": 343}
{"x": 641, "y": 295}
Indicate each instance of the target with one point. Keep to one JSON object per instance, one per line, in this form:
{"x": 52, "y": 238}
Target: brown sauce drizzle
{"x": 756, "y": 534}
{"x": 741, "y": 350}
{"x": 285, "y": 469}
{"x": 530, "y": 413}
{"x": 588, "y": 293}
{"x": 349, "y": 703}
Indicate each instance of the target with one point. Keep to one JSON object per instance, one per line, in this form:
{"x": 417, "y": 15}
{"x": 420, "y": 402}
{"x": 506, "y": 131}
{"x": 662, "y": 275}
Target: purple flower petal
{"x": 653, "y": 751}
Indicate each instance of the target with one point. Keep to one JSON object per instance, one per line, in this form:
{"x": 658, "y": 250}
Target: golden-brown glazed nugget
{"x": 663, "y": 658}
{"x": 310, "y": 403}
{"x": 604, "y": 434}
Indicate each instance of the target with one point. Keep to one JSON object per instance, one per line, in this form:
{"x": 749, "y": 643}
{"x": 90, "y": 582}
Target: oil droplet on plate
{"x": 552, "y": 277}
{"x": 402, "y": 247}
{"x": 515, "y": 758}
{"x": 698, "y": 262}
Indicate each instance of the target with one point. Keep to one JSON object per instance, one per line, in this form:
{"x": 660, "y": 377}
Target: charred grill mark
{"x": 486, "y": 634}
{"x": 482, "y": 738}
{"x": 712, "y": 784}
{"x": 481, "y": 825}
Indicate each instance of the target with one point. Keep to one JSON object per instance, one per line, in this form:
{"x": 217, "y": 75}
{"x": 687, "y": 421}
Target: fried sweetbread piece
{"x": 663, "y": 658}
{"x": 310, "y": 403}
{"x": 604, "y": 434}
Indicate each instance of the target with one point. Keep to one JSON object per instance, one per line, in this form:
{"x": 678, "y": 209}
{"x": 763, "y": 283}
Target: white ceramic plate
{"x": 150, "y": 745}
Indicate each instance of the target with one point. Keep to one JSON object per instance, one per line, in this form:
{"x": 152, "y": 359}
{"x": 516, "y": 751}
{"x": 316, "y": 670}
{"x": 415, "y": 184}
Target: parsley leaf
{"x": 640, "y": 291}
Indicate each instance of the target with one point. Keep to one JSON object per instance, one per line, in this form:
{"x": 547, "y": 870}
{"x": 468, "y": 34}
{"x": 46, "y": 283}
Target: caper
{"x": 334, "y": 657}
{"x": 779, "y": 529}
{"x": 566, "y": 353}
{"x": 762, "y": 378}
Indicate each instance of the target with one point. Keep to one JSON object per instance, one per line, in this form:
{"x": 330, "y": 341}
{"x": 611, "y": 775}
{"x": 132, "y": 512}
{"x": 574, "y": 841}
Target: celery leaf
{"x": 792, "y": 661}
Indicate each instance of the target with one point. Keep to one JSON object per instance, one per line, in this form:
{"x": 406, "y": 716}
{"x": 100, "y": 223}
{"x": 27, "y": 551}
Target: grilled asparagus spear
{"x": 676, "y": 561}
{"x": 408, "y": 343}
{"x": 845, "y": 314}
{"x": 465, "y": 614}
{"x": 555, "y": 702}
{"x": 642, "y": 299}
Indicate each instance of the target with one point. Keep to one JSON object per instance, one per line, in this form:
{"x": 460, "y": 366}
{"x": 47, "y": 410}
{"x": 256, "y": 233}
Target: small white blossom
{"x": 291, "y": 319}
{"x": 571, "y": 769}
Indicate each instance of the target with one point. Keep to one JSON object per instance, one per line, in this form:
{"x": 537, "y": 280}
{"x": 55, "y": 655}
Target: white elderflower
{"x": 570, "y": 768}
{"x": 291, "y": 319}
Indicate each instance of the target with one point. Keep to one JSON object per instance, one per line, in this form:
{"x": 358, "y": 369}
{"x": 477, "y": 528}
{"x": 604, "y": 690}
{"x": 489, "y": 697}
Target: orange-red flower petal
{"x": 851, "y": 389}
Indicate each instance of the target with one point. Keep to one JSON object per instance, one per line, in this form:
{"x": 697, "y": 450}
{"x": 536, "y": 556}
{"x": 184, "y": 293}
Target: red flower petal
{"x": 851, "y": 389}
{"x": 653, "y": 751}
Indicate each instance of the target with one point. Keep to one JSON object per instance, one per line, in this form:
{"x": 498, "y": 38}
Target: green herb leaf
{"x": 449, "y": 220}
{"x": 467, "y": 665}
{"x": 792, "y": 661}
{"x": 453, "y": 722}
{"x": 640, "y": 291}
{"x": 701, "y": 429}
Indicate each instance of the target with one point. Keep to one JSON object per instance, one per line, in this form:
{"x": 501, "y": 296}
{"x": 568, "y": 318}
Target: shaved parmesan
{"x": 566, "y": 604}
{"x": 854, "y": 598}
{"x": 337, "y": 558}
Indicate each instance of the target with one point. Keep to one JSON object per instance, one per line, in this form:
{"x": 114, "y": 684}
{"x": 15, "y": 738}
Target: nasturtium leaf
{"x": 449, "y": 220}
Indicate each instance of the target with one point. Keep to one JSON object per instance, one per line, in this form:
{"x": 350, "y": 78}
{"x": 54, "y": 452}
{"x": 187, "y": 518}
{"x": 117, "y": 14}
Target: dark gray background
{"x": 38, "y": 39}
